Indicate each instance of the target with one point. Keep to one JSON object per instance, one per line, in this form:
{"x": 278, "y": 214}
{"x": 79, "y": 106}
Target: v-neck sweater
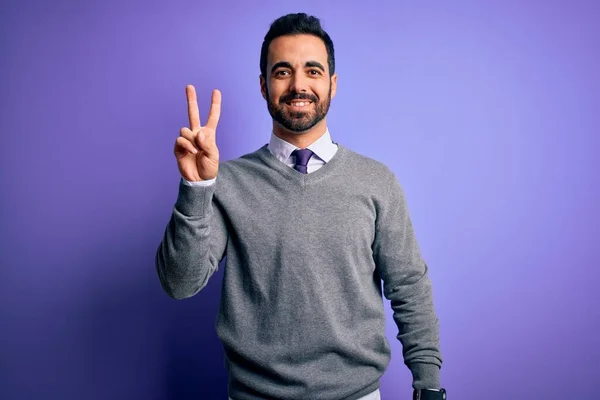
{"x": 301, "y": 312}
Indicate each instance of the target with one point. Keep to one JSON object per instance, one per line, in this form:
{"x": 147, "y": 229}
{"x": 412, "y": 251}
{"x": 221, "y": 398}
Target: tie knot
{"x": 302, "y": 157}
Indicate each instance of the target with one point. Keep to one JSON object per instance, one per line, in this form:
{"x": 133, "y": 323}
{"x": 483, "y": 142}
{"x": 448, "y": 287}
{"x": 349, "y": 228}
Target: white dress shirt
{"x": 323, "y": 148}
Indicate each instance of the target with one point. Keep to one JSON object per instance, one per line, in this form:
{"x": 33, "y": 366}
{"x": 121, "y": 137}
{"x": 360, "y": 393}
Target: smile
{"x": 299, "y": 104}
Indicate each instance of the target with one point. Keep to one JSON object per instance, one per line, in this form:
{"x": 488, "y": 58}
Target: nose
{"x": 299, "y": 84}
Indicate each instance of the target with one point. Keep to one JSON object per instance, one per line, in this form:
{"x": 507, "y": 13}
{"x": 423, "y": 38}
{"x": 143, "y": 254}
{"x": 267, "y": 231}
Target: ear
{"x": 263, "y": 87}
{"x": 333, "y": 85}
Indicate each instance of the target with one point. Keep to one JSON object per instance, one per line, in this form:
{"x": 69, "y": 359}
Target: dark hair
{"x": 296, "y": 24}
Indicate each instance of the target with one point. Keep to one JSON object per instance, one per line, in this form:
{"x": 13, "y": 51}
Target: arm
{"x": 407, "y": 286}
{"x": 193, "y": 243}
{"x": 196, "y": 236}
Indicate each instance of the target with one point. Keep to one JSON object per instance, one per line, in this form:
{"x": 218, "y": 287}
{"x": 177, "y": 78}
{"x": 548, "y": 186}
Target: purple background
{"x": 489, "y": 115}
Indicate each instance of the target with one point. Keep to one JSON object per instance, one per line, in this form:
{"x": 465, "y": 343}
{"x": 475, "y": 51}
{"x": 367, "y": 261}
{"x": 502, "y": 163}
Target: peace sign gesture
{"x": 196, "y": 147}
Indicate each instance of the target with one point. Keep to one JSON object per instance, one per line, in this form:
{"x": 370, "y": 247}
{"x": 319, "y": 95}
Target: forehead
{"x": 297, "y": 49}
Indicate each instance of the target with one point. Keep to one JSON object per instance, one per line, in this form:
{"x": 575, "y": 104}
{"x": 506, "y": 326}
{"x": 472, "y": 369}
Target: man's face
{"x": 297, "y": 85}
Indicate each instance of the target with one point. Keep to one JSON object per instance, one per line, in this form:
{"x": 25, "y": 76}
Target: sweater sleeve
{"x": 406, "y": 284}
{"x": 193, "y": 243}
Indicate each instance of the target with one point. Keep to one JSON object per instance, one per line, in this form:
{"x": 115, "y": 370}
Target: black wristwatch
{"x": 427, "y": 394}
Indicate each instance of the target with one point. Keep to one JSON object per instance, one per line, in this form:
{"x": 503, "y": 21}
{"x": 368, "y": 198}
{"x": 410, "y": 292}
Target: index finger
{"x": 215, "y": 110}
{"x": 193, "y": 112}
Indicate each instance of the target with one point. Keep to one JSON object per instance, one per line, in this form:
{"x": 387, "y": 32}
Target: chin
{"x": 299, "y": 132}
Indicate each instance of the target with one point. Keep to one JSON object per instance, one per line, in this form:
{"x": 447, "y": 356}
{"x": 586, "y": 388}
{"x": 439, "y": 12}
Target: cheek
{"x": 274, "y": 93}
{"x": 322, "y": 90}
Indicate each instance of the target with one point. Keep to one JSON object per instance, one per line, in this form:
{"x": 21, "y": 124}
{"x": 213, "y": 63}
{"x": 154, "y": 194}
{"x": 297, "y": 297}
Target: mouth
{"x": 298, "y": 105}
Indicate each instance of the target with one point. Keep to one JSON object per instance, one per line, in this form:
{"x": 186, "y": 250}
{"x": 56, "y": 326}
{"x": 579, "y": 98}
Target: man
{"x": 309, "y": 229}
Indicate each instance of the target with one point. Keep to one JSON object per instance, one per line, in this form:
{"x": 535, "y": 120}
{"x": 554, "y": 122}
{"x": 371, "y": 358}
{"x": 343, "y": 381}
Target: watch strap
{"x": 427, "y": 394}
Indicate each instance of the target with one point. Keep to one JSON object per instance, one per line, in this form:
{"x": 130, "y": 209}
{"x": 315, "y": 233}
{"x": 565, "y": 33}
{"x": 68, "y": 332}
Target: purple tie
{"x": 302, "y": 157}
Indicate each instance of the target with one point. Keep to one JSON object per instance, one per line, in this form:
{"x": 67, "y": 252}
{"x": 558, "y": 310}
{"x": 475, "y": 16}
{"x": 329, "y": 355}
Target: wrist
{"x": 425, "y": 375}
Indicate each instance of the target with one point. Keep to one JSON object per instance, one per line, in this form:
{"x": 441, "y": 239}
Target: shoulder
{"x": 369, "y": 167}
{"x": 246, "y": 172}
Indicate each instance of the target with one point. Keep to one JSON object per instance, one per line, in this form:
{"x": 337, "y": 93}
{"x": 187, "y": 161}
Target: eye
{"x": 281, "y": 72}
{"x": 314, "y": 72}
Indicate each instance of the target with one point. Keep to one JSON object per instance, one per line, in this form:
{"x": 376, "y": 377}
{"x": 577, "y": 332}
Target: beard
{"x": 298, "y": 121}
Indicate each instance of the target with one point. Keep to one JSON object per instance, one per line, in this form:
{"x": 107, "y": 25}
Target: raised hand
{"x": 196, "y": 147}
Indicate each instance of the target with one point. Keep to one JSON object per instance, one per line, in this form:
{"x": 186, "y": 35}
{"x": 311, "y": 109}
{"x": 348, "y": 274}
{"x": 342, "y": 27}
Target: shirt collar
{"x": 324, "y": 148}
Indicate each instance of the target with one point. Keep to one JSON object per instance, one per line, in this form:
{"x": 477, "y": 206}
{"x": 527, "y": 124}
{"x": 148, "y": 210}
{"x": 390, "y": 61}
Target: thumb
{"x": 200, "y": 138}
{"x": 203, "y": 141}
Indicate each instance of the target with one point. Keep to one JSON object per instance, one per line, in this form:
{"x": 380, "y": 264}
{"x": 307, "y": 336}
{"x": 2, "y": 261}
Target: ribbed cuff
{"x": 425, "y": 376}
{"x": 195, "y": 201}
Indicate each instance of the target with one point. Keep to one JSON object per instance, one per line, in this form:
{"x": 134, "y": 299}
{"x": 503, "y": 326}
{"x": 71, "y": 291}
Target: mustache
{"x": 297, "y": 96}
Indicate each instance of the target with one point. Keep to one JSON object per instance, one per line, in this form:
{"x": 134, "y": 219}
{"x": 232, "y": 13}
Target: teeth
{"x": 300, "y": 104}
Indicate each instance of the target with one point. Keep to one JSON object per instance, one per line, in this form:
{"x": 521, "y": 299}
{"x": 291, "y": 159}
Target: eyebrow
{"x": 308, "y": 64}
{"x": 315, "y": 64}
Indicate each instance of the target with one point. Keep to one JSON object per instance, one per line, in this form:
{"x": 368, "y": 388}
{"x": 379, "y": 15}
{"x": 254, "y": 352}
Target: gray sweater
{"x": 301, "y": 313}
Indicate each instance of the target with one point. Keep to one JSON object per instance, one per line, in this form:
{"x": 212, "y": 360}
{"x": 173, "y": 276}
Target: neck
{"x": 300, "y": 139}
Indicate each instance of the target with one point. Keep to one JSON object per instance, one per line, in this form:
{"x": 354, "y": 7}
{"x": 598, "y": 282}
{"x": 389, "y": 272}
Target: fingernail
{"x": 201, "y": 135}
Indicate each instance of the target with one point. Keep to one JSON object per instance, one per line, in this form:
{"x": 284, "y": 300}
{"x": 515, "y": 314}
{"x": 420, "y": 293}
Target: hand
{"x": 196, "y": 147}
